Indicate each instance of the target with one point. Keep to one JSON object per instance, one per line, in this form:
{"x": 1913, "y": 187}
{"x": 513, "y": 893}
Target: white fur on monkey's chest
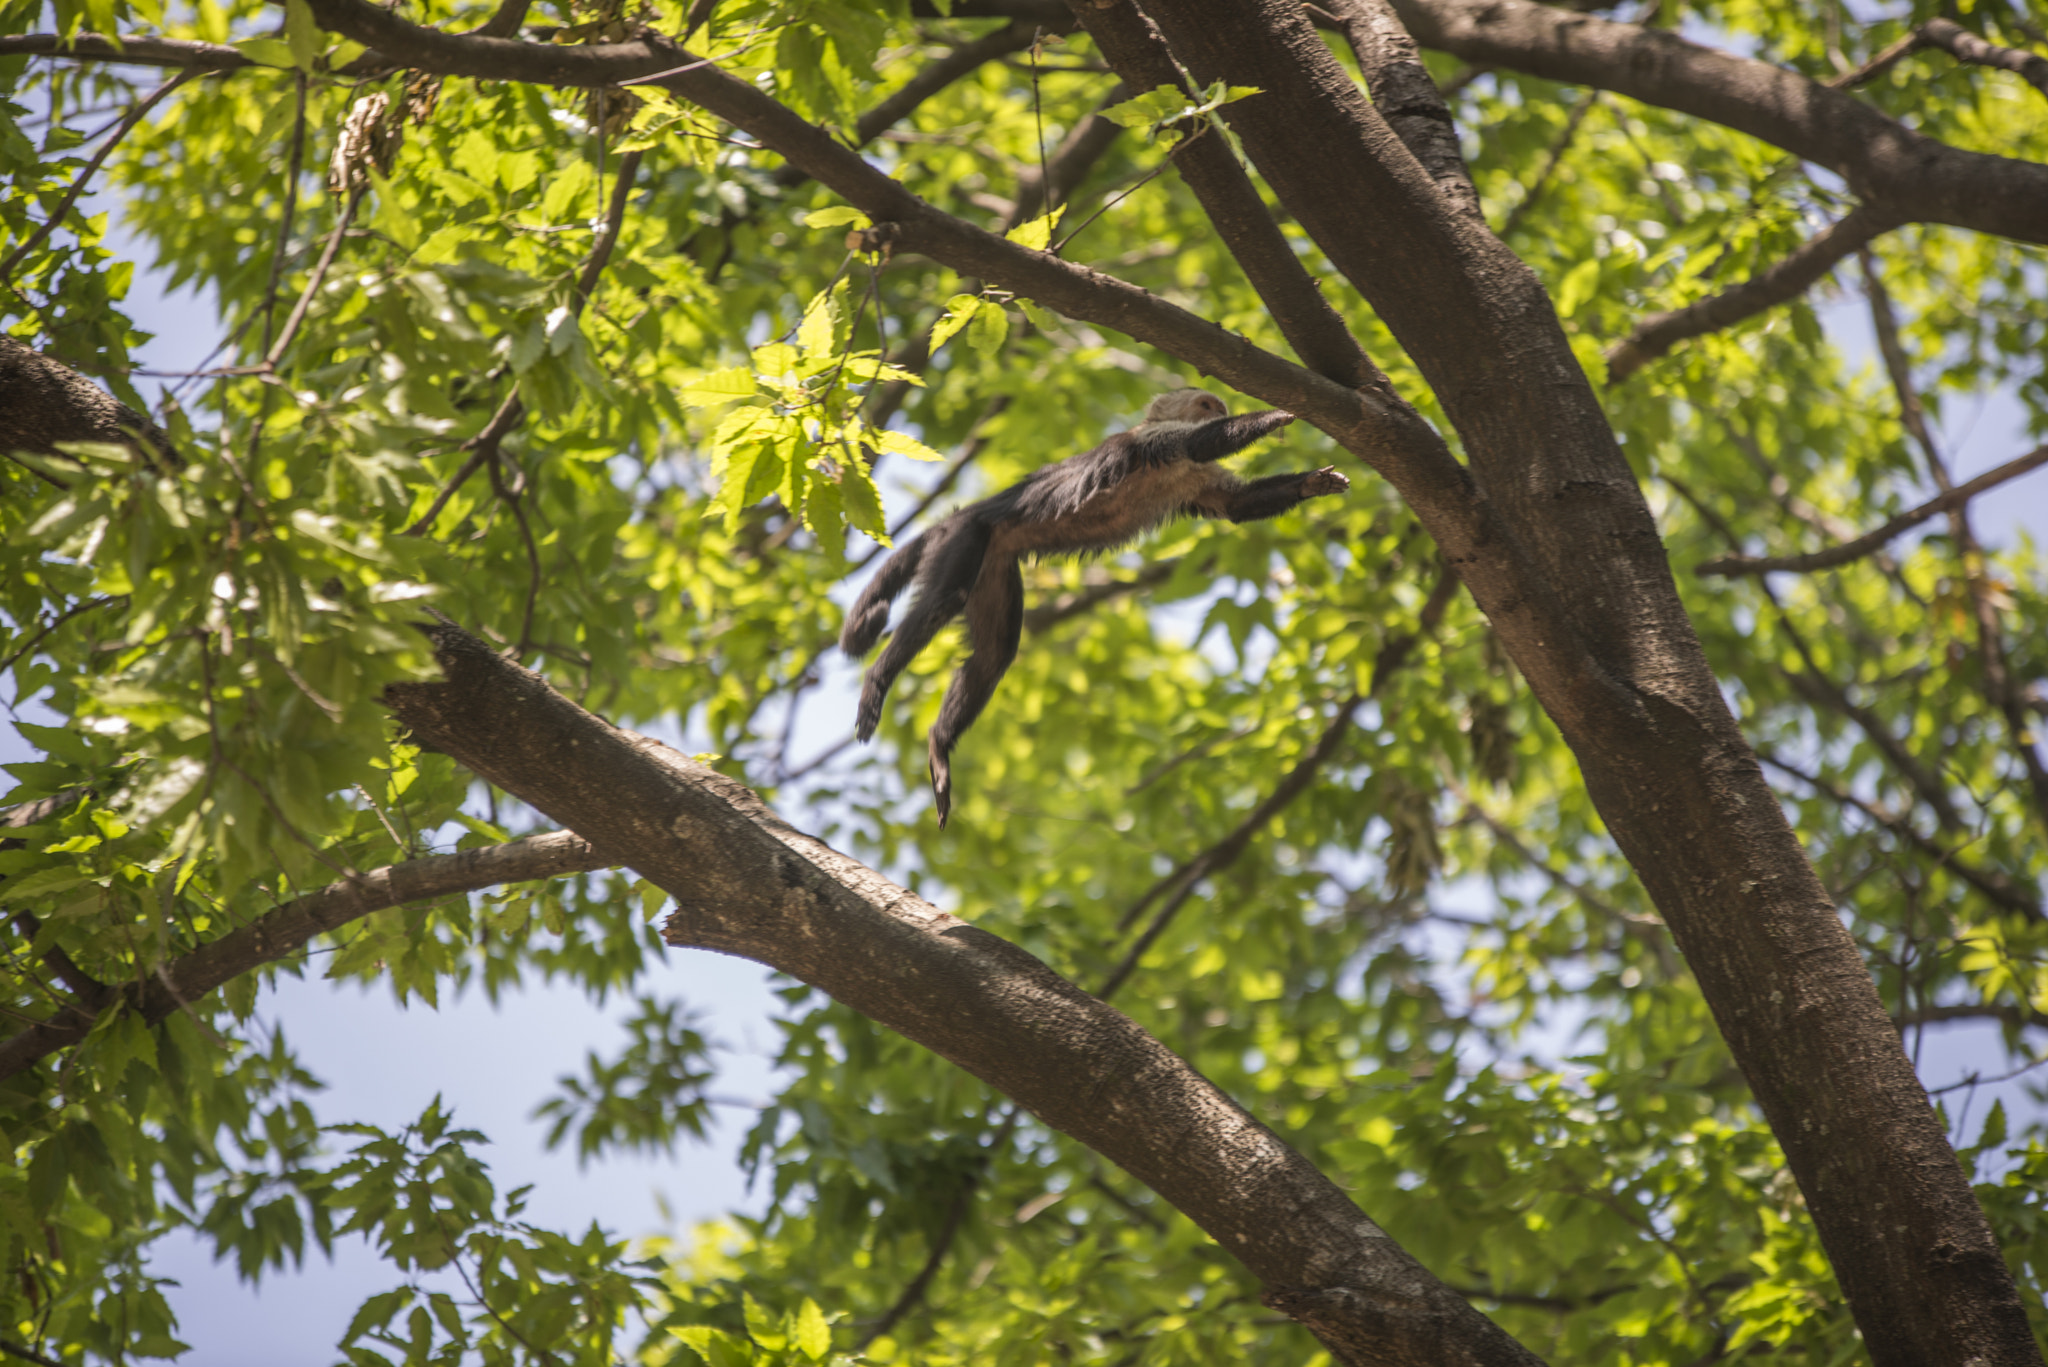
{"x": 1140, "y": 501}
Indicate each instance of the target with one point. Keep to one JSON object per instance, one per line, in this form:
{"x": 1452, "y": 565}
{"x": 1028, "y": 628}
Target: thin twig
{"x": 282, "y": 247}
{"x": 1179, "y": 885}
{"x": 1558, "y": 148}
{"x": 49, "y": 225}
{"x": 1787, "y": 278}
{"x": 297, "y": 316}
{"x": 1733, "y": 565}
{"x": 2000, "y": 688}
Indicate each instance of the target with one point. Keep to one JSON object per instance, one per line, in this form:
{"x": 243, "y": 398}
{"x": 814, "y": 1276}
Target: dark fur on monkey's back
{"x": 1163, "y": 468}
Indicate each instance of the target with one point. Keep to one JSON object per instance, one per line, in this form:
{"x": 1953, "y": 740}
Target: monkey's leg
{"x": 951, "y": 566}
{"x": 1275, "y": 494}
{"x": 870, "y": 611}
{"x": 995, "y": 622}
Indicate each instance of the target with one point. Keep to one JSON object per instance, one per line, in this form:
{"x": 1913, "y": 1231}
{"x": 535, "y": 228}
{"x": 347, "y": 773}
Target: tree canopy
{"x": 1486, "y": 917}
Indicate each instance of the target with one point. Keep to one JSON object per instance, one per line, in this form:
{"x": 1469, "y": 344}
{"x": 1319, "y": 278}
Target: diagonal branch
{"x": 1892, "y": 167}
{"x": 749, "y": 884}
{"x": 1406, "y": 96}
{"x": 1733, "y": 565}
{"x": 85, "y": 175}
{"x": 286, "y": 930}
{"x": 1209, "y": 167}
{"x": 1785, "y": 279}
{"x": 2002, "y": 889}
{"x": 1178, "y": 886}
{"x": 2001, "y": 689}
{"x": 1966, "y": 46}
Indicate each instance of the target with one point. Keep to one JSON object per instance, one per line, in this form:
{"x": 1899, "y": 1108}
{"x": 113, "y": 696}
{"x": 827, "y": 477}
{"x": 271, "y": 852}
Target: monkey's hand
{"x": 1328, "y": 480}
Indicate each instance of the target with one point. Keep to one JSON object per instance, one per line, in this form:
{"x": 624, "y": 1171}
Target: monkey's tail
{"x": 870, "y": 612}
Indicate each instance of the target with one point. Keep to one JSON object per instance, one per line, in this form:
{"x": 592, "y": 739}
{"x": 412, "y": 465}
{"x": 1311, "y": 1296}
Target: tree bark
{"x": 1670, "y": 773}
{"x": 746, "y": 883}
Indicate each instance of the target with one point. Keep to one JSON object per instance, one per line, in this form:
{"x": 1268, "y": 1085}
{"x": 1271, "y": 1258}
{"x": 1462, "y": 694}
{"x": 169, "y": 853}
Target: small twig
{"x": 297, "y": 316}
{"x": 483, "y": 447}
{"x": 1784, "y": 279}
{"x": 282, "y": 247}
{"x": 2000, "y": 688}
{"x": 27, "y": 1354}
{"x": 1176, "y": 887}
{"x": 1558, "y": 148}
{"x": 1995, "y": 885}
{"x": 1877, "y": 65}
{"x": 49, "y": 225}
{"x": 942, "y": 1243}
{"x": 1733, "y": 565}
{"x": 513, "y": 499}
{"x": 87, "y": 606}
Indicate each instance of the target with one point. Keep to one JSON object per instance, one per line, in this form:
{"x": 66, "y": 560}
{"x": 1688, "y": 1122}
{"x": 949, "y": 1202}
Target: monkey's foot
{"x": 1328, "y": 480}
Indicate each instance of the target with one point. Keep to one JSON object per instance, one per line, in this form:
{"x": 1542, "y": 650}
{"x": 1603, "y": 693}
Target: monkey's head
{"x": 1185, "y": 405}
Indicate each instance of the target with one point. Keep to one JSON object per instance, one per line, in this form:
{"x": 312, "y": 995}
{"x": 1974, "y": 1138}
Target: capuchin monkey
{"x": 1165, "y": 467}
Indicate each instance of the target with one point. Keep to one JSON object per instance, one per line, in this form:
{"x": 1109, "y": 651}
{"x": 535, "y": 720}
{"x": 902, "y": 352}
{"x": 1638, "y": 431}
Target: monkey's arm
{"x": 1274, "y": 495}
{"x": 1213, "y": 440}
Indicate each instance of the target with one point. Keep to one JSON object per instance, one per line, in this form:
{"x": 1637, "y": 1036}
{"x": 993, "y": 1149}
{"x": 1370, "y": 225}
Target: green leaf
{"x": 961, "y": 310}
{"x": 302, "y": 35}
{"x": 1038, "y": 232}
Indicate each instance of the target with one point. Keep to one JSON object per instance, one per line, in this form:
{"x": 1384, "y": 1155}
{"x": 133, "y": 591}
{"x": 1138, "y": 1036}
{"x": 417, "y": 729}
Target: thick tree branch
{"x": 1785, "y": 279}
{"x": 1966, "y": 46}
{"x": 747, "y": 883}
{"x": 133, "y": 50}
{"x": 48, "y": 402}
{"x": 286, "y": 930}
{"x": 1370, "y": 420}
{"x": 1209, "y": 167}
{"x": 1669, "y": 770}
{"x": 1733, "y": 565}
{"x": 1405, "y": 95}
{"x": 1890, "y": 167}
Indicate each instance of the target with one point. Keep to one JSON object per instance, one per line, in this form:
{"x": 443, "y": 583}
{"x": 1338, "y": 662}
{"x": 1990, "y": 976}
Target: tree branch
{"x": 1178, "y": 886}
{"x": 1889, "y": 166}
{"x": 1966, "y": 46}
{"x": 1733, "y": 565}
{"x": 2002, "y": 890}
{"x": 85, "y": 174}
{"x": 134, "y": 50}
{"x": 747, "y": 883}
{"x": 1406, "y": 96}
{"x": 2000, "y": 688}
{"x": 1785, "y": 279}
{"x": 284, "y": 931}
{"x": 1242, "y": 221}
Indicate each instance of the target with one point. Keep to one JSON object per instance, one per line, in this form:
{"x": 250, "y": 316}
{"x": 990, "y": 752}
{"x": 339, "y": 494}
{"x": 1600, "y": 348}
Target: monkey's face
{"x": 1186, "y": 405}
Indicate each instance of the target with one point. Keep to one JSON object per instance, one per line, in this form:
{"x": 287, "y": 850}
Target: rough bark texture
{"x": 1672, "y": 776}
{"x": 1551, "y": 535}
{"x": 43, "y": 402}
{"x": 747, "y": 883}
{"x": 1887, "y": 164}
